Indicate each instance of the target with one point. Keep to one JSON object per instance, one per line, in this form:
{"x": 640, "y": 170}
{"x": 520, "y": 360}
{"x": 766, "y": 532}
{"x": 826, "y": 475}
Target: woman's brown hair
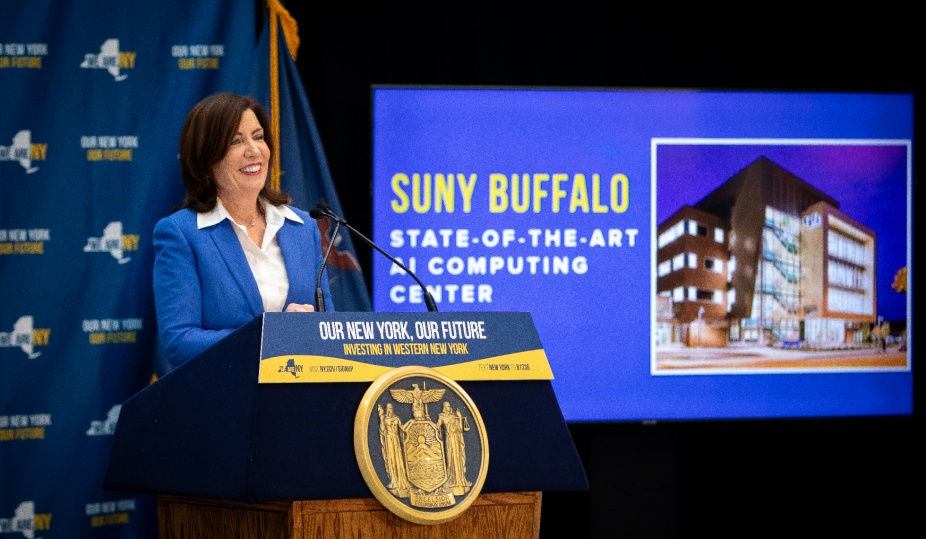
{"x": 204, "y": 140}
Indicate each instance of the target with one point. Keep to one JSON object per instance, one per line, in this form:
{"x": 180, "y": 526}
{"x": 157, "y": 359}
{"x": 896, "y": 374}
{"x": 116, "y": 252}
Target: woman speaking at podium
{"x": 234, "y": 249}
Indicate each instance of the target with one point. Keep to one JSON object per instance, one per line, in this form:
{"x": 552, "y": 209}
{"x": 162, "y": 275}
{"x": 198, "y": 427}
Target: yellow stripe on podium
{"x": 308, "y": 369}
{"x": 529, "y": 365}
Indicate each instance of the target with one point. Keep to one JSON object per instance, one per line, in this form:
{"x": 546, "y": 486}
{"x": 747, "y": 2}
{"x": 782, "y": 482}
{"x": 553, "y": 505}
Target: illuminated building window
{"x": 713, "y": 264}
{"x": 847, "y": 276}
{"x": 845, "y": 301}
{"x": 695, "y": 229}
{"x": 672, "y": 234}
{"x": 665, "y": 268}
{"x": 845, "y": 248}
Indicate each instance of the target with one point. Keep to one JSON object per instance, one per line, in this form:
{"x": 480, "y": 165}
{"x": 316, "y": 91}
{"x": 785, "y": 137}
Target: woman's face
{"x": 243, "y": 170}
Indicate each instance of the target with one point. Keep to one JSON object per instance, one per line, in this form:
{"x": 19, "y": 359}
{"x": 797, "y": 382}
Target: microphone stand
{"x": 324, "y": 211}
{"x": 319, "y": 294}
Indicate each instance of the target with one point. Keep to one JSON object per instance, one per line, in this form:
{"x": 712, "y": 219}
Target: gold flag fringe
{"x": 279, "y": 16}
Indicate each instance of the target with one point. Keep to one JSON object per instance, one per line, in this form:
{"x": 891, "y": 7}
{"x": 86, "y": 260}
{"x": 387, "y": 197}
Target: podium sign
{"x": 210, "y": 429}
{"x": 360, "y": 347}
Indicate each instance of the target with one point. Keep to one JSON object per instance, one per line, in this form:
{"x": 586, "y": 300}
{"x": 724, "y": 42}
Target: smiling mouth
{"x": 251, "y": 169}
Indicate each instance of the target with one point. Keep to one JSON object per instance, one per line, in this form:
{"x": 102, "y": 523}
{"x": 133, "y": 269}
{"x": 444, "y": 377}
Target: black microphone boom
{"x": 323, "y": 210}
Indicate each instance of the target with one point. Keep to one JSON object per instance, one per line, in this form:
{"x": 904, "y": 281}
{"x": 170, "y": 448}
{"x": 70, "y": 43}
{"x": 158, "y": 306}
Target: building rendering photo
{"x": 768, "y": 259}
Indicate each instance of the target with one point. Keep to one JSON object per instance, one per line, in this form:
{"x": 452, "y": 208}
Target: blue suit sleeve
{"x": 178, "y": 296}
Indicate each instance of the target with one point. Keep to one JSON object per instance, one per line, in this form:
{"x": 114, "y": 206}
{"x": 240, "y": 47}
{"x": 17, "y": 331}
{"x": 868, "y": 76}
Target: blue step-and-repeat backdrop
{"x": 93, "y": 97}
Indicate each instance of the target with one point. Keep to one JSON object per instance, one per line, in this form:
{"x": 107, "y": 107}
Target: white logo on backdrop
{"x": 23, "y": 520}
{"x": 106, "y": 427}
{"x": 20, "y": 150}
{"x": 111, "y": 241}
{"x": 22, "y": 336}
{"x": 108, "y": 59}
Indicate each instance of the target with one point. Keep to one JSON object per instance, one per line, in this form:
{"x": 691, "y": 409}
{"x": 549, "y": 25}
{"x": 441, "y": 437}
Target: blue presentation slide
{"x": 683, "y": 254}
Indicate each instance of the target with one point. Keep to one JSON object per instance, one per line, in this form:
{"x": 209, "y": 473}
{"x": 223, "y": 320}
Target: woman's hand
{"x": 299, "y": 308}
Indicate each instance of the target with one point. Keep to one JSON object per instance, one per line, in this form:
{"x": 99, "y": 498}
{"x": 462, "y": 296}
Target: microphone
{"x": 323, "y": 210}
{"x": 319, "y": 294}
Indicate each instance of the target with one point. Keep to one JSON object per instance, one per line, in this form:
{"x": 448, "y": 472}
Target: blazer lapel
{"x": 297, "y": 259}
{"x": 229, "y": 247}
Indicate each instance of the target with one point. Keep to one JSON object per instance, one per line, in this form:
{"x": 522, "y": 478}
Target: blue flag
{"x": 305, "y": 175}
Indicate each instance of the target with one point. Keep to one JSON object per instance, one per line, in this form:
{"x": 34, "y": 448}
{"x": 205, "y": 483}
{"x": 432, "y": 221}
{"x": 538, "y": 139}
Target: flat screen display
{"x": 684, "y": 254}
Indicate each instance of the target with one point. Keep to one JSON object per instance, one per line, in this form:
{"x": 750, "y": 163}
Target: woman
{"x": 235, "y": 249}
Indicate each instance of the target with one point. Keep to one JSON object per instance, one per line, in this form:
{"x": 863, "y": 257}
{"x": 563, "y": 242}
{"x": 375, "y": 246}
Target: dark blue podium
{"x": 214, "y": 442}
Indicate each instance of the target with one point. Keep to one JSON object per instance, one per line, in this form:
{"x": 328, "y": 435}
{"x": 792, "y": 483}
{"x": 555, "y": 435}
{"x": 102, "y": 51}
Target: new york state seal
{"x": 421, "y": 445}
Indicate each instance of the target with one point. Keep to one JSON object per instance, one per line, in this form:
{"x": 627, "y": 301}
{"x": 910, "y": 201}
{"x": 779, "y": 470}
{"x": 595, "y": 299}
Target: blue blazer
{"x": 204, "y": 288}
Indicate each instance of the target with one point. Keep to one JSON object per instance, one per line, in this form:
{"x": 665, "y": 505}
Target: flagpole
{"x": 279, "y": 15}
{"x": 285, "y": 95}
{"x": 274, "y": 95}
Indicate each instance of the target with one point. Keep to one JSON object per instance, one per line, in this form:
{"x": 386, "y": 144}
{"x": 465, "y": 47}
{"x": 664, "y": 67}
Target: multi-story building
{"x": 764, "y": 258}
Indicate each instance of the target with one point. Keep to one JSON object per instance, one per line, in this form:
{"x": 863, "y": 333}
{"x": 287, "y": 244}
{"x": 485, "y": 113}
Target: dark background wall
{"x": 728, "y": 478}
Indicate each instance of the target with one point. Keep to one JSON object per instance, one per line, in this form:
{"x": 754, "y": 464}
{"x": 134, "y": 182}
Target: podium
{"x": 231, "y": 456}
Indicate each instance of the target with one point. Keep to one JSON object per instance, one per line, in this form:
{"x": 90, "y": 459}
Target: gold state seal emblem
{"x": 421, "y": 445}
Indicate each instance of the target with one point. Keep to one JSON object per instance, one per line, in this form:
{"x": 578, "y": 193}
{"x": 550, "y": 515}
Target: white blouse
{"x": 266, "y": 261}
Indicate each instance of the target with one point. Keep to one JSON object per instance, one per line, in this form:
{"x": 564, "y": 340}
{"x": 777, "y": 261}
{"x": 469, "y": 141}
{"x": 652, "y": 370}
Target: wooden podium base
{"x": 513, "y": 515}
